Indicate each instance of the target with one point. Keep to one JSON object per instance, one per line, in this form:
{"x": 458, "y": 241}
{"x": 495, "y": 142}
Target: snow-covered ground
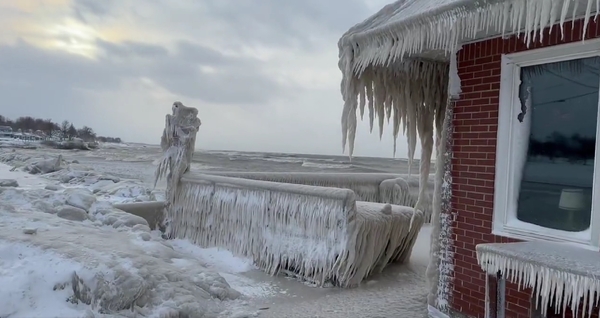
{"x": 65, "y": 252}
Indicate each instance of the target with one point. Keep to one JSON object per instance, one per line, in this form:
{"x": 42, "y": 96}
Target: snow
{"x": 399, "y": 291}
{"x": 215, "y": 257}
{"x": 60, "y": 247}
{"x": 17, "y": 143}
{"x": 138, "y": 265}
{"x": 229, "y": 267}
{"x": 23, "y": 178}
{"x": 28, "y": 275}
{"x": 56, "y": 267}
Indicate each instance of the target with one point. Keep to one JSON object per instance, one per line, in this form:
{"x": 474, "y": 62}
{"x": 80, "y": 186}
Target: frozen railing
{"x": 320, "y": 234}
{"x": 400, "y": 189}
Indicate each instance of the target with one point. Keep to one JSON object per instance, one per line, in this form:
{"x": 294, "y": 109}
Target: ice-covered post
{"x": 177, "y": 143}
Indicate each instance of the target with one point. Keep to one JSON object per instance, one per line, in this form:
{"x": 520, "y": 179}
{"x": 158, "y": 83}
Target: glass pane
{"x": 562, "y": 102}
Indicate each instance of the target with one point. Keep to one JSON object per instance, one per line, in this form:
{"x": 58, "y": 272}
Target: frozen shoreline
{"x": 398, "y": 291}
{"x": 66, "y": 252}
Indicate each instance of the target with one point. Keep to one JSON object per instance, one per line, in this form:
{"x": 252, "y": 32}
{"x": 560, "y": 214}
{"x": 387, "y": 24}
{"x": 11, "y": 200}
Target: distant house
{"x": 6, "y": 132}
{"x": 508, "y": 91}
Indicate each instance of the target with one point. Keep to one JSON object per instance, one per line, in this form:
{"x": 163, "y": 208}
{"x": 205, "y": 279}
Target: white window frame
{"x": 506, "y": 187}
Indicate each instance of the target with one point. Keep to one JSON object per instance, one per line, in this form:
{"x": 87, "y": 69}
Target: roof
{"x": 434, "y": 28}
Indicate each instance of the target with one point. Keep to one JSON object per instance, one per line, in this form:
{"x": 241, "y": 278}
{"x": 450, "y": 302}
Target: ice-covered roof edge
{"x": 388, "y": 35}
{"x": 377, "y": 54}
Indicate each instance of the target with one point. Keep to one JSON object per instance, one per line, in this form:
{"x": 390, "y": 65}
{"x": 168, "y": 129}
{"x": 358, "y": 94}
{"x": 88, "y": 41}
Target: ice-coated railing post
{"x": 177, "y": 143}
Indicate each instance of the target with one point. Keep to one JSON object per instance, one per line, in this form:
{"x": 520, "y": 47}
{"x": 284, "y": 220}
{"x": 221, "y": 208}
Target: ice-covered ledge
{"x": 549, "y": 269}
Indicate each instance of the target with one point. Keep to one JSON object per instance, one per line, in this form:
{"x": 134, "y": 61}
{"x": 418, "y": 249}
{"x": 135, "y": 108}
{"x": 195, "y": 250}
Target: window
{"x": 546, "y": 163}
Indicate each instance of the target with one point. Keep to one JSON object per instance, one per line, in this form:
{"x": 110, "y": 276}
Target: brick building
{"x": 516, "y": 134}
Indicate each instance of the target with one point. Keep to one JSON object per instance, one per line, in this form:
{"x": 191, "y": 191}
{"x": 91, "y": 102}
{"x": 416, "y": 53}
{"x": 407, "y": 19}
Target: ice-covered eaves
{"x": 408, "y": 28}
{"x": 396, "y": 61}
{"x": 560, "y": 275}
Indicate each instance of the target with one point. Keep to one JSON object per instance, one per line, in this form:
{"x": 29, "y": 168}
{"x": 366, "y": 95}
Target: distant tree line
{"x": 575, "y": 148}
{"x": 48, "y": 128}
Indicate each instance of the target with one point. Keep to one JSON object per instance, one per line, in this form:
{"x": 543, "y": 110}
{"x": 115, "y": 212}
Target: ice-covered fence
{"x": 320, "y": 234}
{"x": 400, "y": 189}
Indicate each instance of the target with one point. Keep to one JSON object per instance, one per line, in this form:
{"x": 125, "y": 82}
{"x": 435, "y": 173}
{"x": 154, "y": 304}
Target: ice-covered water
{"x": 139, "y": 154}
{"x": 137, "y": 161}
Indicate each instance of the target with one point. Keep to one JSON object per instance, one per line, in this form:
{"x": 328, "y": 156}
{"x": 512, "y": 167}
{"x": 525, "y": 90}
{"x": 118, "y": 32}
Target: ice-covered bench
{"x": 321, "y": 234}
{"x": 400, "y": 189}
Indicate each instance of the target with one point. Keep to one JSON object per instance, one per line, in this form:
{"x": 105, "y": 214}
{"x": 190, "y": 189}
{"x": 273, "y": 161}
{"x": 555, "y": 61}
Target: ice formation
{"x": 371, "y": 187}
{"x": 116, "y": 267}
{"x": 441, "y": 265}
{"x": 395, "y": 63}
{"x": 400, "y": 64}
{"x": 561, "y": 276}
{"x": 434, "y": 28}
{"x": 178, "y": 142}
{"x": 320, "y": 234}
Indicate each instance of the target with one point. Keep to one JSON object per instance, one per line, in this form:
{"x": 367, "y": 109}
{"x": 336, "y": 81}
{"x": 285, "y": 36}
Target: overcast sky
{"x": 262, "y": 73}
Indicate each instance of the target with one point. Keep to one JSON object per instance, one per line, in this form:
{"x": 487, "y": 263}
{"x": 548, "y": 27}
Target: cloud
{"x": 275, "y": 22}
{"x": 300, "y": 24}
{"x": 263, "y": 73}
{"x": 193, "y": 70}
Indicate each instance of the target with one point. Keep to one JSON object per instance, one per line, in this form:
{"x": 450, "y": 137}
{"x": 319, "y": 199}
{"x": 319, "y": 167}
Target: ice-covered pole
{"x": 177, "y": 142}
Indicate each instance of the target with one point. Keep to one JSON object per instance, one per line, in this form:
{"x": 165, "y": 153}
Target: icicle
{"x": 586, "y": 20}
{"x": 574, "y": 14}
{"x": 407, "y": 87}
{"x": 402, "y": 30}
{"x": 560, "y": 276}
{"x": 544, "y": 17}
{"x": 563, "y": 17}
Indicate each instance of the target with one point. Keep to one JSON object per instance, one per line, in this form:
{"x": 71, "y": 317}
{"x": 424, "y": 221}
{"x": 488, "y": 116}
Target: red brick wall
{"x": 473, "y": 164}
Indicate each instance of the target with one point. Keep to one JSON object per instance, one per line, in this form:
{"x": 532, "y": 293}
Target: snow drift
{"x": 115, "y": 265}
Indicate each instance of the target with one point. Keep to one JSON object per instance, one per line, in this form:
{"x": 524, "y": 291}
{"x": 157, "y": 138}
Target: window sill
{"x": 514, "y": 231}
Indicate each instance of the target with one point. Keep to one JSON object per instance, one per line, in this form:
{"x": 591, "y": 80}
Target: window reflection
{"x": 562, "y": 102}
